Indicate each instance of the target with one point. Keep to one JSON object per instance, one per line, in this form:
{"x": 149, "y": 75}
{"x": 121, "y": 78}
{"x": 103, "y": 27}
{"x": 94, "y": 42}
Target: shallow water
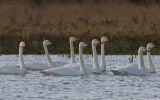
{"x": 35, "y": 86}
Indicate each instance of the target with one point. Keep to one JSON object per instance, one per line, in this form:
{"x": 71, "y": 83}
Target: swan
{"x": 133, "y": 69}
{"x": 35, "y": 66}
{"x": 76, "y": 68}
{"x": 96, "y": 66}
{"x": 150, "y": 63}
{"x": 103, "y": 63}
{"x": 71, "y": 41}
{"x": 14, "y": 69}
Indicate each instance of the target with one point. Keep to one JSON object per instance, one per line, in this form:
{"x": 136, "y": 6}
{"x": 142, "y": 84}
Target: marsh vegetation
{"x": 128, "y": 24}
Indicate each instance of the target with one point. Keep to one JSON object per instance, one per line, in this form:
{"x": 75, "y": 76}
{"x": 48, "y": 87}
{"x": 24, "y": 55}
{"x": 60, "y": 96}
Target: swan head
{"x": 95, "y": 42}
{"x": 150, "y": 46}
{"x": 142, "y": 49}
{"x": 82, "y": 44}
{"x": 46, "y": 42}
{"x": 73, "y": 39}
{"x": 104, "y": 39}
{"x": 22, "y": 44}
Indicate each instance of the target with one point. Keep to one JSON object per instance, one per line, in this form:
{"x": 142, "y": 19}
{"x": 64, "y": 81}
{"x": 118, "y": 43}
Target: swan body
{"x": 72, "y": 69}
{"x": 13, "y": 69}
{"x": 36, "y": 66}
{"x": 68, "y": 70}
{"x": 129, "y": 69}
{"x": 133, "y": 69}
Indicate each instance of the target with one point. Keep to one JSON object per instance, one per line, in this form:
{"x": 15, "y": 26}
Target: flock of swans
{"x": 73, "y": 68}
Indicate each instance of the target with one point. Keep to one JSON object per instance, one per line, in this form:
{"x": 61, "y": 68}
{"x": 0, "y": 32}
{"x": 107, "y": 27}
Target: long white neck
{"x": 96, "y": 67}
{"x": 47, "y": 55}
{"x": 140, "y": 60}
{"x": 103, "y": 63}
{"x": 82, "y": 70}
{"x": 21, "y": 61}
{"x": 72, "y": 52}
{"x": 150, "y": 63}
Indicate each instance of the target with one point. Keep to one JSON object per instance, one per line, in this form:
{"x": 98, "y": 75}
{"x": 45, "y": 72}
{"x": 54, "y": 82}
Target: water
{"x": 35, "y": 86}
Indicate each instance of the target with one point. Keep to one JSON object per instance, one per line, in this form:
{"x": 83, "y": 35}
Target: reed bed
{"x": 128, "y": 24}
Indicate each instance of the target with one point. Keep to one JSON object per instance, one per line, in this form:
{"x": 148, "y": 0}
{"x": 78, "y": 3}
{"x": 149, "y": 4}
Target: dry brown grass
{"x": 128, "y": 25}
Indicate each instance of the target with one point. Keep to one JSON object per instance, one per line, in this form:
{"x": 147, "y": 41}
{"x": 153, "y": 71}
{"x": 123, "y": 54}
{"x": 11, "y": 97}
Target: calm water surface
{"x": 35, "y": 86}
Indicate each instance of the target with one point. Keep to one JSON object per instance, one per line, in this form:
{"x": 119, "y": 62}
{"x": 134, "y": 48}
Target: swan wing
{"x": 10, "y": 70}
{"x": 66, "y": 70}
{"x": 129, "y": 69}
{"x": 35, "y": 66}
{"x": 60, "y": 63}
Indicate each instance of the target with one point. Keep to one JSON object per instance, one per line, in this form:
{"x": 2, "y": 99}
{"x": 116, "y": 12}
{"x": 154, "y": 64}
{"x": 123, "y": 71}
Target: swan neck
{"x": 96, "y": 68}
{"x": 103, "y": 63}
{"x": 72, "y": 52}
{"x": 150, "y": 63}
{"x": 21, "y": 61}
{"x": 140, "y": 60}
{"x": 47, "y": 55}
{"x": 82, "y": 70}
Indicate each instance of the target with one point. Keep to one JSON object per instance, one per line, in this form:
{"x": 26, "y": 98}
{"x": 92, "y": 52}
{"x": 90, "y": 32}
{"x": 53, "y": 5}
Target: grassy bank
{"x": 127, "y": 24}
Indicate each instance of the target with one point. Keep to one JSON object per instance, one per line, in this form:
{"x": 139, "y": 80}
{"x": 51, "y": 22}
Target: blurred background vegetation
{"x": 128, "y": 23}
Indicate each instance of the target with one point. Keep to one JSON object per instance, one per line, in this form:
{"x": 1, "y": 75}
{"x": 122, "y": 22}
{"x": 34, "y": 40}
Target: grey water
{"x": 106, "y": 86}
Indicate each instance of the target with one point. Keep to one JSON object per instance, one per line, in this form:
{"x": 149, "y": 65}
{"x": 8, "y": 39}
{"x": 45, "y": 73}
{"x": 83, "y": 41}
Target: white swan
{"x": 73, "y": 69}
{"x": 150, "y": 63}
{"x": 133, "y": 69}
{"x": 35, "y": 66}
{"x": 96, "y": 66}
{"x": 103, "y": 62}
{"x": 78, "y": 69}
{"x": 72, "y": 40}
{"x": 14, "y": 69}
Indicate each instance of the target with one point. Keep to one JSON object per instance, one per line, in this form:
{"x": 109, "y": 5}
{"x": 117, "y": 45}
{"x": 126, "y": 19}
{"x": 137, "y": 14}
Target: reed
{"x": 128, "y": 23}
